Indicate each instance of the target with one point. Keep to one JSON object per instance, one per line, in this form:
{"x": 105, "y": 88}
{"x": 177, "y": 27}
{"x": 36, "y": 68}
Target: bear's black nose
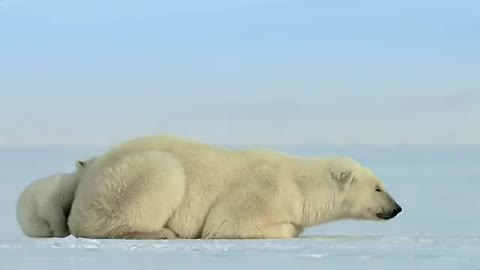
{"x": 397, "y": 210}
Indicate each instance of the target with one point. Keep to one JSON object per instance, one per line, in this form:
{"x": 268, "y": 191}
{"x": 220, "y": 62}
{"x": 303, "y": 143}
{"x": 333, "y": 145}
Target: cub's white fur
{"x": 43, "y": 206}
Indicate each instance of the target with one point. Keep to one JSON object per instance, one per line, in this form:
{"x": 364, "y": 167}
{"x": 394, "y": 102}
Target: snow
{"x": 439, "y": 228}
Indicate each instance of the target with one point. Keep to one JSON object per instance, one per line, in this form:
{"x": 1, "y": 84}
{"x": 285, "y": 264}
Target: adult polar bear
{"x": 161, "y": 186}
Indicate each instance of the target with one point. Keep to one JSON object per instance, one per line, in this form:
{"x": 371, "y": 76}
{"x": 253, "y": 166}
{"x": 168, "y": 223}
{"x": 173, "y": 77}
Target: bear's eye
{"x": 377, "y": 189}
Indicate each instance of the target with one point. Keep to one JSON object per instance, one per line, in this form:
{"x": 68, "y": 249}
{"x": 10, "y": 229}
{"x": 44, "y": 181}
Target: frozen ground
{"x": 439, "y": 228}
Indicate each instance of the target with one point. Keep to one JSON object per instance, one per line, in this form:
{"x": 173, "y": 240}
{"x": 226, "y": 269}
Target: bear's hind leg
{"x": 134, "y": 196}
{"x": 157, "y": 189}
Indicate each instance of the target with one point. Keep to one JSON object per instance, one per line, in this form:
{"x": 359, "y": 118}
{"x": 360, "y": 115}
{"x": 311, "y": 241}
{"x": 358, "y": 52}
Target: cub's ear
{"x": 86, "y": 162}
{"x": 79, "y": 164}
{"x": 344, "y": 178}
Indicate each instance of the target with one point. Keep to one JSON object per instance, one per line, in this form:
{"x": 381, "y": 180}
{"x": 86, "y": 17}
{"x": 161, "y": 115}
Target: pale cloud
{"x": 300, "y": 121}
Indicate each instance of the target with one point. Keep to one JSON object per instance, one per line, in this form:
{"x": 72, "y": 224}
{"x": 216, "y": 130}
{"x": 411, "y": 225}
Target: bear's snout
{"x": 389, "y": 214}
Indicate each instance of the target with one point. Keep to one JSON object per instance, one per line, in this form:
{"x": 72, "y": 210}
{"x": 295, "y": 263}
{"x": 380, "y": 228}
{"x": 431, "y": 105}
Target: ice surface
{"x": 438, "y": 188}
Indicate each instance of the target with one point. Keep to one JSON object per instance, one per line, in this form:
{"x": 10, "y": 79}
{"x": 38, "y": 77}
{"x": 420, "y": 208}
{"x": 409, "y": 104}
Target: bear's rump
{"x": 136, "y": 193}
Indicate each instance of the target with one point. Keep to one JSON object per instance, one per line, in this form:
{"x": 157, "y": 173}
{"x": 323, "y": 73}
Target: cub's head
{"x": 362, "y": 193}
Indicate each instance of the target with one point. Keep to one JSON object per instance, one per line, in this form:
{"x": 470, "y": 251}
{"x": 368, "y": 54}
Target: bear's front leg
{"x": 245, "y": 214}
{"x": 225, "y": 222}
{"x": 160, "y": 234}
{"x": 228, "y": 229}
{"x": 283, "y": 230}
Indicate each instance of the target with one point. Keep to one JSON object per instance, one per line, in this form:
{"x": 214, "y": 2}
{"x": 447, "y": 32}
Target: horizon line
{"x": 253, "y": 144}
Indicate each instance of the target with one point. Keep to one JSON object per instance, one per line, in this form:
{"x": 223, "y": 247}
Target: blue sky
{"x": 280, "y": 72}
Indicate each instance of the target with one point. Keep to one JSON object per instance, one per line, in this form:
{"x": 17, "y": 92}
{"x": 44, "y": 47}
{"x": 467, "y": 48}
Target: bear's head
{"x": 361, "y": 192}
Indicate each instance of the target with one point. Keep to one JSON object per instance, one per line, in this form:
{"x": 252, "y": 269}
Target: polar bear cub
{"x": 164, "y": 187}
{"x": 44, "y": 205}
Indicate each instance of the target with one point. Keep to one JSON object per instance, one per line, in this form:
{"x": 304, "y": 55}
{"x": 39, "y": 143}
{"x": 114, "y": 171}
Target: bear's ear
{"x": 344, "y": 178}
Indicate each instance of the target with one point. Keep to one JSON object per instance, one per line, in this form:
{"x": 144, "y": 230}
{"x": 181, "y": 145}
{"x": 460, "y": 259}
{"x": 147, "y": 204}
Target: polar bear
{"x": 44, "y": 205}
{"x": 164, "y": 187}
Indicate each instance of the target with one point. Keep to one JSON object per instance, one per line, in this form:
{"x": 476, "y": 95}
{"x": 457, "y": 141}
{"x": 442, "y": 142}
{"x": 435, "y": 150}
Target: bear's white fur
{"x": 43, "y": 206}
{"x": 159, "y": 187}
